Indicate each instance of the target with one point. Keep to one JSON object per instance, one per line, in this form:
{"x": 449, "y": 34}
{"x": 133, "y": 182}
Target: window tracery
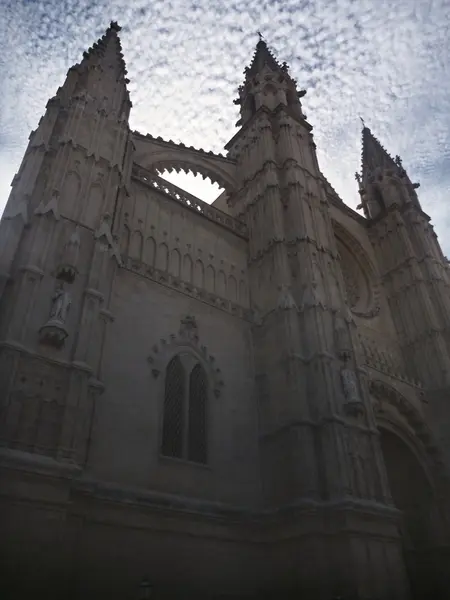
{"x": 184, "y": 432}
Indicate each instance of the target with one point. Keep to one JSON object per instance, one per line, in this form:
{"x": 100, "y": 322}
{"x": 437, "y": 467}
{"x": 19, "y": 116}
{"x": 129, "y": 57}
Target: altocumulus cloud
{"x": 387, "y": 61}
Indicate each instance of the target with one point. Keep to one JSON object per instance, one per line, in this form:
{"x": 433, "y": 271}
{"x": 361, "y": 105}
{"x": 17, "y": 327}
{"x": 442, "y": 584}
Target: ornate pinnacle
{"x": 398, "y": 161}
{"x": 358, "y": 178}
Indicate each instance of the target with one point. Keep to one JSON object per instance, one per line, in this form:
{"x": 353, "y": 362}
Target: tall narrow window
{"x": 197, "y": 415}
{"x": 173, "y": 418}
{"x": 184, "y": 432}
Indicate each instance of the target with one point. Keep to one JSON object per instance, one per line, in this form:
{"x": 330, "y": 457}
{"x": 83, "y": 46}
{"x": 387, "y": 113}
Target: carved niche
{"x": 68, "y": 267}
{"x": 54, "y": 331}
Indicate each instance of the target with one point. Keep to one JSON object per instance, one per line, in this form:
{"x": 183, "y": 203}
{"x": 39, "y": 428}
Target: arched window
{"x": 174, "y": 395}
{"x": 184, "y": 432}
{"x": 197, "y": 415}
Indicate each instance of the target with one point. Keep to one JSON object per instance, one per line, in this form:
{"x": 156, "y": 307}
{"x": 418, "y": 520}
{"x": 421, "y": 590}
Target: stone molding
{"x": 175, "y": 283}
{"x": 191, "y": 202}
{"x": 186, "y": 339}
{"x": 382, "y": 392}
{"x": 156, "y": 154}
{"x": 162, "y": 500}
{"x": 366, "y": 269}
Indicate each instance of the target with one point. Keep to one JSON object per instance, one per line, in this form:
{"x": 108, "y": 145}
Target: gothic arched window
{"x": 184, "y": 432}
{"x": 174, "y": 396}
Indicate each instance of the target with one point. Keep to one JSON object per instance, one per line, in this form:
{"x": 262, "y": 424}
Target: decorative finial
{"x": 398, "y": 161}
{"x": 261, "y": 37}
{"x": 358, "y": 178}
{"x": 362, "y": 121}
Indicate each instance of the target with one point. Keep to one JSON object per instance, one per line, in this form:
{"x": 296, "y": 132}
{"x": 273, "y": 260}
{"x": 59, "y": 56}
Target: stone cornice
{"x": 171, "y": 504}
{"x": 168, "y": 280}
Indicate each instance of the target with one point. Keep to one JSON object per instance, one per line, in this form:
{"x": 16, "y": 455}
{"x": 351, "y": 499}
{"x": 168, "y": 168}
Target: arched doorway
{"x": 412, "y": 494}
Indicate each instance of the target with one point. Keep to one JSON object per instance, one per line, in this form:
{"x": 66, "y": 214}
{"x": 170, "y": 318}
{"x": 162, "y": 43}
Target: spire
{"x": 375, "y": 156}
{"x": 107, "y": 51}
{"x": 261, "y": 57}
{"x": 273, "y": 88}
{"x": 101, "y": 75}
{"x": 384, "y": 181}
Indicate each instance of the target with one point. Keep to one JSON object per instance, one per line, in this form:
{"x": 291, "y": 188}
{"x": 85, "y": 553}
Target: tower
{"x": 319, "y": 446}
{"x": 58, "y": 257}
{"x": 414, "y": 272}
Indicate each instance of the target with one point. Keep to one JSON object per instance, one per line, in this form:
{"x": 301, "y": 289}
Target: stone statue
{"x": 350, "y": 385}
{"x": 60, "y": 305}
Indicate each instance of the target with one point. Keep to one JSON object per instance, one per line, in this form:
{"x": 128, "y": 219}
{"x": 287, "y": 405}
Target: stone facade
{"x": 243, "y": 399}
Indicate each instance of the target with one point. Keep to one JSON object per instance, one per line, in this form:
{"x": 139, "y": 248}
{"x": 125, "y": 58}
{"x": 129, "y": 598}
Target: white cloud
{"x": 386, "y": 61}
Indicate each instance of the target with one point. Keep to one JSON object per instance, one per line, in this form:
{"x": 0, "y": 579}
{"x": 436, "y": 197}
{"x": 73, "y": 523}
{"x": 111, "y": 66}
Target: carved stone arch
{"x": 176, "y": 161}
{"x": 158, "y": 155}
{"x": 186, "y": 340}
{"x": 136, "y": 245}
{"x": 383, "y": 393}
{"x": 175, "y": 262}
{"x": 361, "y": 279}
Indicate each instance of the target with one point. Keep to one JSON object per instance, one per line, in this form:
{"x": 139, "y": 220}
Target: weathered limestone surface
{"x": 246, "y": 399}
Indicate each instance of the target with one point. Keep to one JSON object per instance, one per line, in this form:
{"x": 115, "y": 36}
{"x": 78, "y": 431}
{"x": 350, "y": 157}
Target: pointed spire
{"x": 98, "y": 74}
{"x": 275, "y": 88}
{"x": 263, "y": 56}
{"x": 108, "y": 49}
{"x": 374, "y": 155}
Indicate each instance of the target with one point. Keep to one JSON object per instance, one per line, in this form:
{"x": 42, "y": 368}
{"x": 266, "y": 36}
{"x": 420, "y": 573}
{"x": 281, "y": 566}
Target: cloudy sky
{"x": 388, "y": 61}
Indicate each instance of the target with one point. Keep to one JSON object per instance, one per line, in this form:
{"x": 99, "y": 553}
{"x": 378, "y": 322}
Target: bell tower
{"x": 320, "y": 451}
{"x": 58, "y": 256}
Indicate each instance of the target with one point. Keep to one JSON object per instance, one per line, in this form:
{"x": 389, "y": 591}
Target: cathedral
{"x": 243, "y": 399}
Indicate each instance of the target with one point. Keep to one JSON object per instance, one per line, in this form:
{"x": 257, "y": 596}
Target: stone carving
{"x": 343, "y": 338}
{"x": 61, "y": 303}
{"x": 54, "y": 332}
{"x": 104, "y": 231}
{"x": 354, "y": 406}
{"x": 50, "y": 207}
{"x": 163, "y": 351}
{"x": 351, "y": 283}
{"x": 67, "y": 270}
{"x": 285, "y": 299}
{"x": 188, "y": 328}
{"x": 350, "y": 385}
{"x": 358, "y": 275}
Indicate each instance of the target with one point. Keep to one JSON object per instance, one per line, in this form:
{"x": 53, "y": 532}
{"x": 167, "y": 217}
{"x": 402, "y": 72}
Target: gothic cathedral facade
{"x": 248, "y": 399}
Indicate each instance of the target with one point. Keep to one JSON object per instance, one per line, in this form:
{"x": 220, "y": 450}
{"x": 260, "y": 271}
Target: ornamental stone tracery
{"x": 359, "y": 277}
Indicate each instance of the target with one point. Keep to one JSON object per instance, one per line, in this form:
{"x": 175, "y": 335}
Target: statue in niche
{"x": 61, "y": 303}
{"x": 354, "y": 406}
{"x": 350, "y": 385}
{"x": 53, "y": 333}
